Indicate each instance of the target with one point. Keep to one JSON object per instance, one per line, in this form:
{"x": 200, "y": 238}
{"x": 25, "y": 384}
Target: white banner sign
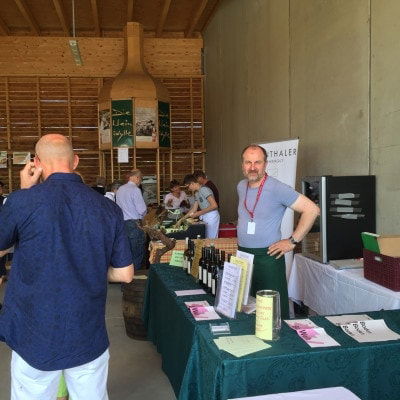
{"x": 282, "y": 165}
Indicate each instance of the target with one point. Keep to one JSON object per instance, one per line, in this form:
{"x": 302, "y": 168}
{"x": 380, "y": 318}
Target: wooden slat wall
{"x": 32, "y": 106}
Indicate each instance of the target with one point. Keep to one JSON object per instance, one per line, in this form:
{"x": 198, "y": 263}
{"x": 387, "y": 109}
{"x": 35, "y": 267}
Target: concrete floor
{"x": 135, "y": 366}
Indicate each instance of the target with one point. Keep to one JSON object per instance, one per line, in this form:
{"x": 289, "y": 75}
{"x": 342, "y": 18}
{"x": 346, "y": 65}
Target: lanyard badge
{"x": 251, "y": 225}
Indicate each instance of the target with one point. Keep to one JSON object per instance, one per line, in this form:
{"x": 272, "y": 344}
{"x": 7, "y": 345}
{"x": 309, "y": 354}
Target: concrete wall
{"x": 320, "y": 70}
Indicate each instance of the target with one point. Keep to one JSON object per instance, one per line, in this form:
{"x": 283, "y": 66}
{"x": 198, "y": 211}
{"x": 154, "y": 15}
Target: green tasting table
{"x": 198, "y": 370}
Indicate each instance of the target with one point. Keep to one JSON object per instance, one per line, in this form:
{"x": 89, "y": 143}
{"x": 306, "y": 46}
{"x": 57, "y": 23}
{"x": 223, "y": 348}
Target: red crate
{"x": 383, "y": 270}
{"x": 227, "y": 231}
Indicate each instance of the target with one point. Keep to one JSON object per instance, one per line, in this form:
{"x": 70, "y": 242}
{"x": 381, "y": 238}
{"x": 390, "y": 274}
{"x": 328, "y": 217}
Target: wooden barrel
{"x": 132, "y": 306}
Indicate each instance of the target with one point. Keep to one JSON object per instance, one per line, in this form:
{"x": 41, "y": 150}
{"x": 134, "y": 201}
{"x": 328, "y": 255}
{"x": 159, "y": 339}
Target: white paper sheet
{"x": 202, "y": 313}
{"x": 123, "y": 154}
{"x": 335, "y": 393}
{"x": 317, "y": 337}
{"x": 374, "y": 330}
{"x": 191, "y": 292}
{"x": 229, "y": 290}
{"x": 347, "y": 319}
{"x": 297, "y": 324}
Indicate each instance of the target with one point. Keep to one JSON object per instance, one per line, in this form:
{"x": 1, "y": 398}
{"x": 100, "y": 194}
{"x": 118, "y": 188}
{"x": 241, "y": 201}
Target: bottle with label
{"x": 205, "y": 268}
{"x": 201, "y": 264}
{"x": 214, "y": 277}
{"x": 210, "y": 268}
{"x": 185, "y": 254}
{"x": 190, "y": 257}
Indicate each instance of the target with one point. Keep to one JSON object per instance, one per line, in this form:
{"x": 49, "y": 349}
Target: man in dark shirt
{"x": 68, "y": 239}
{"x": 201, "y": 178}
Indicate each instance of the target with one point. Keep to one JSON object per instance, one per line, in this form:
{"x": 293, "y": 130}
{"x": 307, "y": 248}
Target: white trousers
{"x": 212, "y": 224}
{"x": 85, "y": 382}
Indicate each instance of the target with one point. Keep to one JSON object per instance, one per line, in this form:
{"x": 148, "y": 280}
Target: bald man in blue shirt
{"x": 68, "y": 241}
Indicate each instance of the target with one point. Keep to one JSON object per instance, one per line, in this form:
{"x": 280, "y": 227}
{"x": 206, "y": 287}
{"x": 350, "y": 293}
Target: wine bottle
{"x": 190, "y": 257}
{"x": 201, "y": 264}
{"x": 210, "y": 270}
{"x": 205, "y": 268}
{"x": 185, "y": 254}
{"x": 214, "y": 277}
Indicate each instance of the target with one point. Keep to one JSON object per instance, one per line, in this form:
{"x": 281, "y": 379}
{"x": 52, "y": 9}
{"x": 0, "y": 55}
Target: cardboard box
{"x": 389, "y": 245}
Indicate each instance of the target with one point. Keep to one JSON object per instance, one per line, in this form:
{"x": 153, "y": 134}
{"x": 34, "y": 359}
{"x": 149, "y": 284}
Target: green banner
{"x": 164, "y": 124}
{"x": 122, "y": 126}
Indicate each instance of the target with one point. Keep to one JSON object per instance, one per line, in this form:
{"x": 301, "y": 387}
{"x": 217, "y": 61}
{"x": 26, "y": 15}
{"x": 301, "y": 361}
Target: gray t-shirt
{"x": 201, "y": 197}
{"x": 274, "y": 199}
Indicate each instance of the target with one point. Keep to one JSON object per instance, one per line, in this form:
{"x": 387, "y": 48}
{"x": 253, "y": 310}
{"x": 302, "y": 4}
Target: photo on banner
{"x": 282, "y": 165}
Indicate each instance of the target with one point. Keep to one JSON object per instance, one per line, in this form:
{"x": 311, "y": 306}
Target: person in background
{"x": 53, "y": 316}
{"x": 100, "y": 186}
{"x": 176, "y": 198}
{"x": 130, "y": 199}
{"x": 201, "y": 178}
{"x": 3, "y": 271}
{"x": 2, "y": 197}
{"x": 113, "y": 190}
{"x": 205, "y": 207}
{"x": 263, "y": 201}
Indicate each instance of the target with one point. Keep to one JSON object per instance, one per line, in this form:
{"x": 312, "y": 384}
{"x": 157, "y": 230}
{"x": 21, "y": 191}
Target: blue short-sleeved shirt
{"x": 275, "y": 198}
{"x": 66, "y": 236}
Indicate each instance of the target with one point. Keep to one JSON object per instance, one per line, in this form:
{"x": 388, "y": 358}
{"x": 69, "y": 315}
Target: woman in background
{"x": 177, "y": 198}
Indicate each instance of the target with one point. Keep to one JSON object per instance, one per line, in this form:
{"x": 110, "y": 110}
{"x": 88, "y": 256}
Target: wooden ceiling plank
{"x": 211, "y": 15}
{"x": 130, "y": 11}
{"x": 62, "y": 17}
{"x": 95, "y": 12}
{"x": 24, "y": 10}
{"x": 4, "y": 28}
{"x": 163, "y": 17}
{"x": 196, "y": 17}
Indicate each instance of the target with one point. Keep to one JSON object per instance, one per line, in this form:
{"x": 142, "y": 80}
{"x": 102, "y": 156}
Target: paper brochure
{"x": 347, "y": 319}
{"x": 297, "y": 324}
{"x": 317, "y": 337}
{"x": 240, "y": 346}
{"x": 250, "y": 260}
{"x": 374, "y": 330}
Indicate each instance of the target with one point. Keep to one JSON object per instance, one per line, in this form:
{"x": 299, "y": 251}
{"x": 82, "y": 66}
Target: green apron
{"x": 269, "y": 273}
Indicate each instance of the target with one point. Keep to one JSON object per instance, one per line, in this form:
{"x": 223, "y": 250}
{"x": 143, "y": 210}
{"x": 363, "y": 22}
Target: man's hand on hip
{"x": 30, "y": 175}
{"x": 280, "y": 248}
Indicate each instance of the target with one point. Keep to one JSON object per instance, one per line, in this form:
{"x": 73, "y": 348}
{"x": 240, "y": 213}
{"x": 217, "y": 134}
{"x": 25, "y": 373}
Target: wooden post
{"x": 170, "y": 165}
{"x": 158, "y": 174}
{"x": 69, "y": 110}
{"x": 39, "y": 116}
{"x": 191, "y": 125}
{"x": 112, "y": 164}
{"x": 9, "y": 158}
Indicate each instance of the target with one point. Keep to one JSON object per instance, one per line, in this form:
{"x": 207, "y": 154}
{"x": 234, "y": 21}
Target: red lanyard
{"x": 260, "y": 188}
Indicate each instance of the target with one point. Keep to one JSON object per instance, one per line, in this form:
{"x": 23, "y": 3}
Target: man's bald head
{"x": 54, "y": 147}
{"x": 55, "y": 153}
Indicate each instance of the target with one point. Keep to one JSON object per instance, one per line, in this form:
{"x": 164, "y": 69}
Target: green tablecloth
{"x": 198, "y": 370}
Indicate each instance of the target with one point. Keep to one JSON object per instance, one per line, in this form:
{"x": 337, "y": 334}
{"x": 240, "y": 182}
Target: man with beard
{"x": 262, "y": 204}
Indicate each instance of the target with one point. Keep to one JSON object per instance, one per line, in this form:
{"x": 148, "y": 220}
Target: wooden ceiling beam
{"x": 211, "y": 15}
{"x": 4, "y": 28}
{"x": 95, "y": 12}
{"x": 196, "y": 17}
{"x": 62, "y": 17}
{"x": 24, "y": 10}
{"x": 130, "y": 11}
{"x": 163, "y": 17}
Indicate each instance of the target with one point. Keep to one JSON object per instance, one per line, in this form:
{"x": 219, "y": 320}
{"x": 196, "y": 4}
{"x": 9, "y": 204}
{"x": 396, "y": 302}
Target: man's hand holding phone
{"x": 30, "y": 175}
